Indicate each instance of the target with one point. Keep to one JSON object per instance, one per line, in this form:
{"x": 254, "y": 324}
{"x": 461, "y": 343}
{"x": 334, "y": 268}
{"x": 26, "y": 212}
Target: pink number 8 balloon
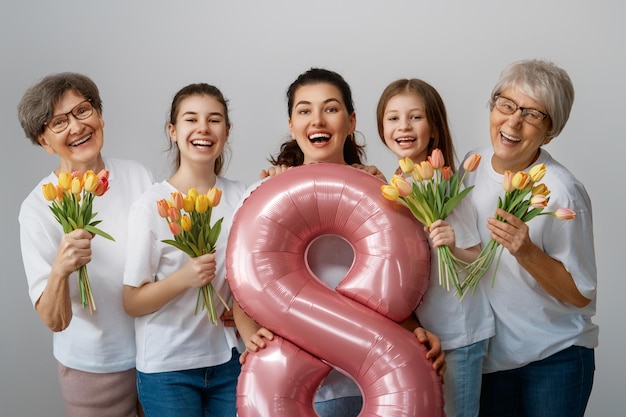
{"x": 354, "y": 328}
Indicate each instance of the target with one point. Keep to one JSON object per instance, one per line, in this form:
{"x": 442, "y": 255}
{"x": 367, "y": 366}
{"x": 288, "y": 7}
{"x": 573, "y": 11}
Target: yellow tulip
{"x": 202, "y": 203}
{"x": 193, "y": 194}
{"x": 540, "y": 189}
{"x": 76, "y": 186}
{"x": 185, "y": 223}
{"x": 189, "y": 203}
{"x": 521, "y": 180}
{"x": 390, "y": 192}
{"x": 406, "y": 165}
{"x": 91, "y": 181}
{"x": 49, "y": 191}
{"x": 65, "y": 180}
{"x": 214, "y": 195}
{"x": 537, "y": 172}
{"x": 402, "y": 185}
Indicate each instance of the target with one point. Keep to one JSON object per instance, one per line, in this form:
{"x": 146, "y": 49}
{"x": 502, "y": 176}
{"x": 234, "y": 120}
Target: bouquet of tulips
{"x": 189, "y": 220}
{"x": 435, "y": 191}
{"x": 525, "y": 198}
{"x": 72, "y": 201}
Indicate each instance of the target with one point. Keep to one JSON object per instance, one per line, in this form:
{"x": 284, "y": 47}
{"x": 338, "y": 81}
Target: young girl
{"x": 322, "y": 124}
{"x": 186, "y": 365}
{"x": 412, "y": 122}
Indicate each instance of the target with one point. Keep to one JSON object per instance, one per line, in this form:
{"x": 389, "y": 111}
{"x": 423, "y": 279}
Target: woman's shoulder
{"x": 123, "y": 167}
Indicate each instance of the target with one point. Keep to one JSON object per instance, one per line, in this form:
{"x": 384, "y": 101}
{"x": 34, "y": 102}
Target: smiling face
{"x": 320, "y": 122}
{"x": 79, "y": 145}
{"x": 515, "y": 142}
{"x": 200, "y": 130}
{"x": 405, "y": 127}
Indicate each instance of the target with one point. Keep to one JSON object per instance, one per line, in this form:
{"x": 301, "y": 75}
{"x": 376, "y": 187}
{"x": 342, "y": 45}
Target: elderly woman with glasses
{"x": 541, "y": 360}
{"x": 95, "y": 350}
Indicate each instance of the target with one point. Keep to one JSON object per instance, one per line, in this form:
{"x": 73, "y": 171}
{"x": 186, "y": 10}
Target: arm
{"x": 434, "y": 353}
{"x": 272, "y": 171}
{"x": 549, "y": 273}
{"x": 252, "y": 334}
{"x": 151, "y": 296}
{"x": 54, "y": 306}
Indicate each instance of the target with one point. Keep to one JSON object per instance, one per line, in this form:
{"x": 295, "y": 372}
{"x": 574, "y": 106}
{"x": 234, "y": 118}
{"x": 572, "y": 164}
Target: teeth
{"x": 81, "y": 141}
{"x": 202, "y": 143}
{"x": 405, "y": 139}
{"x": 511, "y": 138}
{"x": 319, "y": 136}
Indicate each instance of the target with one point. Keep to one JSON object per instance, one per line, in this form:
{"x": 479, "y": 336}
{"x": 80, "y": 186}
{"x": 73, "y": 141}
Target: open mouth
{"x": 509, "y": 138}
{"x": 202, "y": 143}
{"x": 319, "y": 137}
{"x": 405, "y": 140}
{"x": 80, "y": 141}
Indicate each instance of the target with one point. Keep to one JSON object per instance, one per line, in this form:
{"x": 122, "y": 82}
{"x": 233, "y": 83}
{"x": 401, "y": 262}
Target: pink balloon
{"x": 355, "y": 328}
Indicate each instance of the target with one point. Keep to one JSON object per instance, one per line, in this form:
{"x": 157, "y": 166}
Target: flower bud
{"x": 507, "y": 181}
{"x": 472, "y": 162}
{"x": 177, "y": 200}
{"x": 565, "y": 214}
{"x": 202, "y": 203}
{"x": 390, "y": 192}
{"x": 406, "y": 165}
{"x": 425, "y": 170}
{"x": 162, "y": 208}
{"x": 540, "y": 189}
{"x": 189, "y": 204}
{"x": 521, "y": 180}
{"x": 539, "y": 201}
{"x": 175, "y": 228}
{"x": 49, "y": 191}
{"x": 65, "y": 180}
{"x": 402, "y": 185}
{"x": 214, "y": 195}
{"x": 446, "y": 173}
{"x": 185, "y": 223}
{"x": 436, "y": 159}
{"x": 537, "y": 172}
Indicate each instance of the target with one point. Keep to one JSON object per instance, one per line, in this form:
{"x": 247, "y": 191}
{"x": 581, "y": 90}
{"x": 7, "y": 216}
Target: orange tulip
{"x": 539, "y": 201}
{"x": 177, "y": 200}
{"x": 175, "y": 228}
{"x": 472, "y": 162}
{"x": 162, "y": 208}
{"x": 507, "y": 181}
{"x": 425, "y": 170}
{"x": 214, "y": 195}
{"x": 402, "y": 185}
{"x": 446, "y": 173}
{"x": 521, "y": 180}
{"x": 540, "y": 189}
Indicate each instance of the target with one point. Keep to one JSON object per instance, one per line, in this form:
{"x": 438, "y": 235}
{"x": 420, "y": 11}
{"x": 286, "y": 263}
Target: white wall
{"x": 141, "y": 52}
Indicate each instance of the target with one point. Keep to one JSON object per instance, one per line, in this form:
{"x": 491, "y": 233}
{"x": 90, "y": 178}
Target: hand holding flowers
{"x": 189, "y": 220}
{"x": 435, "y": 191}
{"x": 525, "y": 199}
{"x": 72, "y": 206}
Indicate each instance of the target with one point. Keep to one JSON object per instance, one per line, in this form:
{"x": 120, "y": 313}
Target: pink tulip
{"x": 507, "y": 181}
{"x": 565, "y": 214}
{"x": 103, "y": 186}
{"x": 436, "y": 159}
{"x": 539, "y": 201}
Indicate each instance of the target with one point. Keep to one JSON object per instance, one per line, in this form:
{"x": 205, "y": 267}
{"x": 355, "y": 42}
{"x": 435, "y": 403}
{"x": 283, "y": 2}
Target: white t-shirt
{"x": 456, "y": 323}
{"x": 174, "y": 338}
{"x": 531, "y": 324}
{"x": 102, "y": 342}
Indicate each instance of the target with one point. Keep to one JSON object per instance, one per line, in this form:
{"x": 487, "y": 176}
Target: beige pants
{"x": 87, "y": 394}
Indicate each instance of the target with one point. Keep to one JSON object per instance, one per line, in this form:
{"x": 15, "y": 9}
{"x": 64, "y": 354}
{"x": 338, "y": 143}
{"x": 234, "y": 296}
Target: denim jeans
{"x": 462, "y": 380}
{"x": 340, "y": 407}
{"x": 193, "y": 392}
{"x": 558, "y": 386}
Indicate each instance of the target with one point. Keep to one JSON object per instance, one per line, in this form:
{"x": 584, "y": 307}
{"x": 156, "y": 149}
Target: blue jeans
{"x": 193, "y": 392}
{"x": 462, "y": 380}
{"x": 558, "y": 386}
{"x": 340, "y": 407}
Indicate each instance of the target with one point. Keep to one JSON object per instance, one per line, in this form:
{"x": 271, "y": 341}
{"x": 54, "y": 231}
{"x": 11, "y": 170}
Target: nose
{"x": 516, "y": 118}
{"x": 203, "y": 126}
{"x": 318, "y": 118}
{"x": 405, "y": 124}
{"x": 73, "y": 124}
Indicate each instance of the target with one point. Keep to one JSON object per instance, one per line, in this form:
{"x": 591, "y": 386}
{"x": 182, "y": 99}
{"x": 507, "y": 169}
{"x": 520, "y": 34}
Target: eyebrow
{"x": 328, "y": 100}
{"x": 195, "y": 113}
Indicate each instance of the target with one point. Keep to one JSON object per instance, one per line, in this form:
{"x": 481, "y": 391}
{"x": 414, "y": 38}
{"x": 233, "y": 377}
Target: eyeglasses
{"x": 81, "y": 111}
{"x": 508, "y": 106}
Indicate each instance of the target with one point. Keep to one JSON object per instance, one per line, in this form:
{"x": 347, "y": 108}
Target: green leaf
{"x": 90, "y": 228}
{"x": 214, "y": 233}
{"x": 180, "y": 246}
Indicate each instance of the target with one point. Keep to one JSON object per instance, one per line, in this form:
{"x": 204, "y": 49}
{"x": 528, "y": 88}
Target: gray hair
{"x": 545, "y": 83}
{"x": 37, "y": 104}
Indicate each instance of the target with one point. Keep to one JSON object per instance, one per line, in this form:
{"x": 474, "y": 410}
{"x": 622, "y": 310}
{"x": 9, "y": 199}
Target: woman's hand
{"x": 433, "y": 345}
{"x": 371, "y": 169}
{"x": 273, "y": 170}
{"x": 256, "y": 343}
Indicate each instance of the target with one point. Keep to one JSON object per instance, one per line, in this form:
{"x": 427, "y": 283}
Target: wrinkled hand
{"x": 434, "y": 352}
{"x": 73, "y": 252}
{"x": 511, "y": 233}
{"x": 371, "y": 169}
{"x": 256, "y": 342}
{"x": 272, "y": 171}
